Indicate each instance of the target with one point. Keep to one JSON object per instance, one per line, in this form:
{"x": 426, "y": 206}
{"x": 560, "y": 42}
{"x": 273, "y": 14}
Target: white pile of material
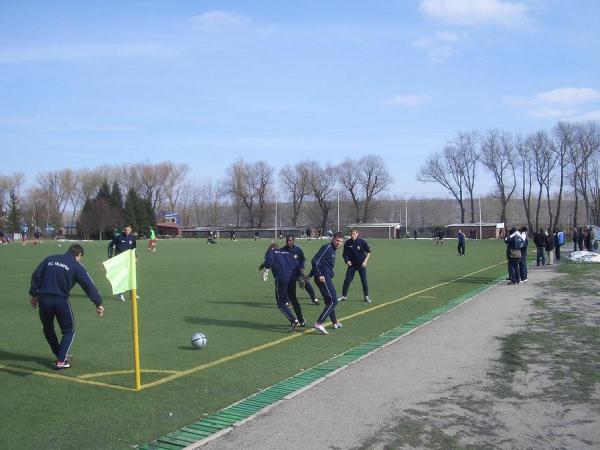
{"x": 584, "y": 257}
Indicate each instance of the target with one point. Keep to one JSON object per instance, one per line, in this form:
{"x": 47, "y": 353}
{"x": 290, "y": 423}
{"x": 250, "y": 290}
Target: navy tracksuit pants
{"x": 362, "y": 271}
{"x": 59, "y": 308}
{"x": 285, "y": 291}
{"x": 329, "y": 297}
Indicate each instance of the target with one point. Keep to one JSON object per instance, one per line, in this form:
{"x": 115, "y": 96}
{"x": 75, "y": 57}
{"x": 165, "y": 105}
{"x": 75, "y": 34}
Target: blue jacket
{"x": 298, "y": 254}
{"x": 355, "y": 251}
{"x": 461, "y": 238}
{"x": 324, "y": 261}
{"x": 283, "y": 264}
{"x": 57, "y": 274}
{"x": 121, "y": 243}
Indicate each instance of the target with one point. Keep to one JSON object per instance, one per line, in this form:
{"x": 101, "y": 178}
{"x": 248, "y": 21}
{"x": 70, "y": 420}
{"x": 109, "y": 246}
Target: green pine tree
{"x": 104, "y": 192}
{"x": 116, "y": 198}
{"x": 14, "y": 213}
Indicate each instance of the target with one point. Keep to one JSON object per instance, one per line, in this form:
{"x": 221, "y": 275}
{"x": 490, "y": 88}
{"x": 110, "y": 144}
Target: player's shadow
{"x": 6, "y": 356}
{"x": 283, "y": 328}
{"x": 245, "y": 303}
{"x": 474, "y": 280}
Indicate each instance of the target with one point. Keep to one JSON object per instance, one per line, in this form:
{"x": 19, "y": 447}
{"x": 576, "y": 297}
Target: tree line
{"x": 540, "y": 168}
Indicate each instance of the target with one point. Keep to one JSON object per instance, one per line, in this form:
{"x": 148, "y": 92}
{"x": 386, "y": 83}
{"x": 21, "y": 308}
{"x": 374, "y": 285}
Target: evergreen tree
{"x": 104, "y": 192}
{"x": 14, "y": 213}
{"x": 138, "y": 212}
{"x": 116, "y": 198}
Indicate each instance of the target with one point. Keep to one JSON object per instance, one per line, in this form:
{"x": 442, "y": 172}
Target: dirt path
{"x": 516, "y": 367}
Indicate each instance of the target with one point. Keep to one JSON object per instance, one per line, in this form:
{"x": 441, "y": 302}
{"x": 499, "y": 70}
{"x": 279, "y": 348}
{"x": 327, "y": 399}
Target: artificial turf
{"x": 188, "y": 286}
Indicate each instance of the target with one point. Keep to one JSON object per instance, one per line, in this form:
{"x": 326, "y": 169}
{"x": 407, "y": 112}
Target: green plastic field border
{"x": 235, "y": 415}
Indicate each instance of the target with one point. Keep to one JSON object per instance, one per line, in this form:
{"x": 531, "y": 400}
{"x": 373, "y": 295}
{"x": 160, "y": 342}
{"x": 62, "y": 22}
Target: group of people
{"x": 547, "y": 244}
{"x": 583, "y": 239}
{"x": 288, "y": 266}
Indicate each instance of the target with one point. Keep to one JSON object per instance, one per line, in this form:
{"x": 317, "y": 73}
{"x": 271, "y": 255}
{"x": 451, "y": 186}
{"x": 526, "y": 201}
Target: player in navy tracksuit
{"x": 50, "y": 286}
{"x": 120, "y": 243}
{"x": 322, "y": 271}
{"x": 356, "y": 254}
{"x": 286, "y": 271}
{"x": 299, "y": 255}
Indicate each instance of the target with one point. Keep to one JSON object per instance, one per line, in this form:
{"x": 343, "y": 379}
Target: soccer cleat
{"x": 293, "y": 325}
{"x": 60, "y": 365}
{"x": 367, "y": 299}
{"x": 320, "y": 327}
{"x": 337, "y": 325}
{"x": 315, "y": 301}
{"x": 342, "y": 298}
{"x": 303, "y": 323}
{"x": 121, "y": 297}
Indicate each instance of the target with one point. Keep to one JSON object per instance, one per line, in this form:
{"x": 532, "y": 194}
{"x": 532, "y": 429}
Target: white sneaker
{"x": 315, "y": 301}
{"x": 320, "y": 327}
{"x": 367, "y": 299}
{"x": 121, "y": 297}
{"x": 342, "y": 298}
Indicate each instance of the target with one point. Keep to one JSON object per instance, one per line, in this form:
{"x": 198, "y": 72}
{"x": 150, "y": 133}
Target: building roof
{"x": 374, "y": 225}
{"x": 477, "y": 224}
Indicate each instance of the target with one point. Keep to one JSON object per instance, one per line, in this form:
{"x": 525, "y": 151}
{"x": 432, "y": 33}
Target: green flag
{"x": 120, "y": 271}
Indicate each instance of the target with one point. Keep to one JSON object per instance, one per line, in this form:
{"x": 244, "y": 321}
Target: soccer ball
{"x": 198, "y": 340}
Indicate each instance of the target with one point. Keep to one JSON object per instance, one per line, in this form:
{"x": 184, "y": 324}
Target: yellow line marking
{"x": 83, "y": 379}
{"x": 426, "y": 296}
{"x": 297, "y": 335}
{"x": 122, "y": 372}
{"x": 64, "y": 378}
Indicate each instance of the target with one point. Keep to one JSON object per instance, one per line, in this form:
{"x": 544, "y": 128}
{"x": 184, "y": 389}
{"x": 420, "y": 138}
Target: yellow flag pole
{"x": 134, "y": 314}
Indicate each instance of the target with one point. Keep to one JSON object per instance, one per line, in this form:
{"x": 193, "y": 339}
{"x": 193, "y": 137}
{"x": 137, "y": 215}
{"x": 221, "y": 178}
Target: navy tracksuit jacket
{"x": 299, "y": 255}
{"x": 121, "y": 243}
{"x": 355, "y": 251}
{"x": 286, "y": 271}
{"x": 322, "y": 266}
{"x": 51, "y": 282}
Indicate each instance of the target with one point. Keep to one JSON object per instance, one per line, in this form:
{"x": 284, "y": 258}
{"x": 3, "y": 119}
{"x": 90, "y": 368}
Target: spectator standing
{"x": 539, "y": 239}
{"x": 515, "y": 244}
{"x": 549, "y": 247}
{"x": 523, "y": 261}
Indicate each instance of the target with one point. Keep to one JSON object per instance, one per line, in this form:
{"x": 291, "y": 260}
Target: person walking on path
{"x": 515, "y": 244}
{"x": 322, "y": 271}
{"x": 523, "y": 261}
{"x": 539, "y": 239}
{"x": 356, "y": 255}
{"x": 286, "y": 271}
{"x": 549, "y": 247}
{"x": 51, "y": 283}
{"x": 121, "y": 242}
{"x": 461, "y": 243}
{"x": 297, "y": 252}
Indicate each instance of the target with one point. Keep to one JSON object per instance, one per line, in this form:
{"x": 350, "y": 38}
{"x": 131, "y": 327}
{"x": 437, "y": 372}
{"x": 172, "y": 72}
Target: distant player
{"x": 286, "y": 271}
{"x": 152, "y": 240}
{"x": 356, "y": 256}
{"x": 299, "y": 255}
{"x": 461, "y": 243}
{"x": 23, "y": 236}
{"x": 322, "y": 271}
{"x": 37, "y": 237}
{"x": 51, "y": 284}
{"x": 120, "y": 243}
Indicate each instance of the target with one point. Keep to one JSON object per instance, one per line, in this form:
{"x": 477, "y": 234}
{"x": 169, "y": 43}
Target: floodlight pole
{"x": 338, "y": 210}
{"x": 276, "y": 216}
{"x": 406, "y": 214}
{"x": 480, "y": 227}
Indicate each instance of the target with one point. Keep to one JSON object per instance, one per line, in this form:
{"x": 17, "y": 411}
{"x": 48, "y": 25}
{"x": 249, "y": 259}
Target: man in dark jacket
{"x": 120, "y": 243}
{"x": 297, "y": 252}
{"x": 51, "y": 283}
{"x": 549, "y": 247}
{"x": 322, "y": 271}
{"x": 539, "y": 239}
{"x": 356, "y": 255}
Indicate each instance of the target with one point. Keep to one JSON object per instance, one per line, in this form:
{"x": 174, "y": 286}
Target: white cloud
{"x": 561, "y": 103}
{"x": 440, "y": 45}
{"x": 407, "y": 100}
{"x": 76, "y": 52}
{"x": 476, "y": 12}
{"x": 215, "y": 21}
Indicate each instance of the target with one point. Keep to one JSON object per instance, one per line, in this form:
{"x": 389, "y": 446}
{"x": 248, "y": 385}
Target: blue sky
{"x": 206, "y": 82}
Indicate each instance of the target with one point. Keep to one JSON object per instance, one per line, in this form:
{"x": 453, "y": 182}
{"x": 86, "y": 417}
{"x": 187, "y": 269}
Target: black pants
{"x": 461, "y": 249}
{"x": 59, "y": 308}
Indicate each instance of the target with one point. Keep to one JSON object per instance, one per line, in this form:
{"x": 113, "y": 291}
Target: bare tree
{"x": 445, "y": 169}
{"x": 295, "y": 180}
{"x": 373, "y": 179}
{"x": 499, "y": 155}
{"x": 322, "y": 181}
{"x": 466, "y": 146}
{"x": 525, "y": 166}
{"x": 349, "y": 178}
{"x": 175, "y": 182}
{"x": 584, "y": 159}
{"x": 260, "y": 176}
{"x": 563, "y": 135}
{"x": 237, "y": 186}
{"x": 542, "y": 163}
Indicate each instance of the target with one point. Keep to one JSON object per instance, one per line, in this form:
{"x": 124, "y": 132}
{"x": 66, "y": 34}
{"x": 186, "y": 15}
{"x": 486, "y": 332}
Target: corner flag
{"x": 121, "y": 274}
{"x": 120, "y": 271}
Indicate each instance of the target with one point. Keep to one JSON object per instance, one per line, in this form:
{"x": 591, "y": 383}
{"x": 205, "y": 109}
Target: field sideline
{"x": 190, "y": 286}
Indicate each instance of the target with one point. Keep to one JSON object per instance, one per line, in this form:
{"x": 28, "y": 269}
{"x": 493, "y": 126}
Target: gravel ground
{"x": 516, "y": 367}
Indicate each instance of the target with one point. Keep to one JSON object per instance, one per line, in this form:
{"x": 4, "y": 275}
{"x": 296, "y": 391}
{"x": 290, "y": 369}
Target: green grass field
{"x": 189, "y": 286}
